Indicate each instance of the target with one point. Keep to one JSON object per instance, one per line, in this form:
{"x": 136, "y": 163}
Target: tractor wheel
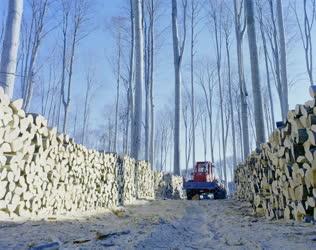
{"x": 220, "y": 194}
{"x": 190, "y": 194}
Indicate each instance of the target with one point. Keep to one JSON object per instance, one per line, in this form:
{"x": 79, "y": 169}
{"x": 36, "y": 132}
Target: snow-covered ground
{"x": 169, "y": 224}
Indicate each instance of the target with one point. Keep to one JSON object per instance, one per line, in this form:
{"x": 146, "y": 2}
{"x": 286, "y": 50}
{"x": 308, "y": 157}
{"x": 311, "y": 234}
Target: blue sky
{"x": 98, "y": 46}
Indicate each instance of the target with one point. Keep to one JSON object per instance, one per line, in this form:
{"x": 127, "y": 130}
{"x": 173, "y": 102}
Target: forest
{"x": 170, "y": 82}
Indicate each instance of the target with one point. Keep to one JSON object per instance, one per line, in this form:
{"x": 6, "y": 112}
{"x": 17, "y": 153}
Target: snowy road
{"x": 208, "y": 224}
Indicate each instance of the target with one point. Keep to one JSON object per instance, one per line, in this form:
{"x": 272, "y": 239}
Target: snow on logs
{"x": 279, "y": 179}
{"x": 44, "y": 173}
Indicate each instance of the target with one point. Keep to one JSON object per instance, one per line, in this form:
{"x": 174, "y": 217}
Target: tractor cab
{"x": 203, "y": 171}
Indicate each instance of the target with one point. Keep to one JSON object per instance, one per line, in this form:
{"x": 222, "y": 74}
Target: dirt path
{"x": 205, "y": 224}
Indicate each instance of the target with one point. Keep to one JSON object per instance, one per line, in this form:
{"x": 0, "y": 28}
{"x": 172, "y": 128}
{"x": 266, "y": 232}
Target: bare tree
{"x": 275, "y": 48}
{"x": 227, "y": 31}
{"x": 117, "y": 23}
{"x": 178, "y": 55}
{"x": 87, "y": 101}
{"x": 130, "y": 79}
{"x": 255, "y": 76}
{"x": 208, "y": 86}
{"x": 139, "y": 79}
{"x": 187, "y": 129}
{"x": 195, "y": 8}
{"x": 285, "y": 102}
{"x": 239, "y": 122}
{"x": 203, "y": 121}
{"x": 153, "y": 8}
{"x": 36, "y": 34}
{"x": 306, "y": 33}
{"x": 216, "y": 14}
{"x": 75, "y": 14}
{"x": 147, "y": 55}
{"x": 240, "y": 27}
{"x": 10, "y": 46}
{"x": 48, "y": 91}
{"x": 149, "y": 78}
{"x": 266, "y": 60}
{"x": 75, "y": 123}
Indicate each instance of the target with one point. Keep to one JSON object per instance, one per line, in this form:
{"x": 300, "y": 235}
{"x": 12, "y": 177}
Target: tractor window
{"x": 202, "y": 168}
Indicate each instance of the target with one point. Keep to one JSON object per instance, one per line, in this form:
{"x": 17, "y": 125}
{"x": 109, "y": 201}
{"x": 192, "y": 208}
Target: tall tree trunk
{"x": 161, "y": 151}
{"x": 285, "y": 106}
{"x": 192, "y": 81}
{"x": 218, "y": 42}
{"x": 10, "y": 46}
{"x": 256, "y": 88}
{"x": 265, "y": 51}
{"x": 75, "y": 124}
{"x": 240, "y": 132}
{"x": 39, "y": 10}
{"x": 242, "y": 84}
{"x": 147, "y": 66}
{"x": 231, "y": 109}
{"x": 177, "y": 89}
{"x": 139, "y": 79}
{"x": 152, "y": 115}
{"x": 131, "y": 76}
{"x": 85, "y": 116}
{"x": 67, "y": 98}
{"x": 125, "y": 150}
{"x": 210, "y": 113}
{"x": 63, "y": 72}
{"x": 177, "y": 54}
{"x": 275, "y": 50}
{"x": 185, "y": 140}
{"x": 117, "y": 92}
{"x": 204, "y": 135}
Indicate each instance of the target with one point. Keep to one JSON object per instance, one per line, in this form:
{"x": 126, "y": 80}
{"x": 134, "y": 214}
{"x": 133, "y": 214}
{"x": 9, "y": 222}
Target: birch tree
{"x": 139, "y": 80}
{"x": 10, "y": 46}
{"x": 178, "y": 49}
{"x": 240, "y": 27}
{"x": 255, "y": 76}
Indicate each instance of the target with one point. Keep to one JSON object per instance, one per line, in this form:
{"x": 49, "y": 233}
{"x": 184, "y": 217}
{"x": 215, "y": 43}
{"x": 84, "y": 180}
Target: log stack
{"x": 279, "y": 179}
{"x": 44, "y": 173}
{"x": 169, "y": 186}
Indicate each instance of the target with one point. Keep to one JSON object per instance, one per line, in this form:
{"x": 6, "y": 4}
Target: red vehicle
{"x": 204, "y": 182}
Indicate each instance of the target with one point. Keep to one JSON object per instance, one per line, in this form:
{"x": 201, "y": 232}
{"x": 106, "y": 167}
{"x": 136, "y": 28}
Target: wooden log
{"x": 16, "y": 105}
{"x": 302, "y": 136}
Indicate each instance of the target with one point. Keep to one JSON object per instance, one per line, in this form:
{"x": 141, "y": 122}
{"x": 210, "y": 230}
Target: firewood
{"x": 43, "y": 173}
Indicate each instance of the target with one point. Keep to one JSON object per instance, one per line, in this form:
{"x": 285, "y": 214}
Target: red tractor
{"x": 204, "y": 182}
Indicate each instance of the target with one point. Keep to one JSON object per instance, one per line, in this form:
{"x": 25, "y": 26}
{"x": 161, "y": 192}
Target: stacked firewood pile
{"x": 169, "y": 186}
{"x": 45, "y": 173}
{"x": 144, "y": 181}
{"x": 280, "y": 178}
